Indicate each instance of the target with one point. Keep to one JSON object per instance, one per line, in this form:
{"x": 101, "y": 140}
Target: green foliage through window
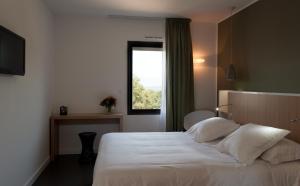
{"x": 143, "y": 98}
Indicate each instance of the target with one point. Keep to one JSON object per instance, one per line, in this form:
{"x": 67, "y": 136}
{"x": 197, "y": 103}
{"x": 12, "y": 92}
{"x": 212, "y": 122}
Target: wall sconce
{"x": 293, "y": 121}
{"x": 225, "y": 114}
{"x": 219, "y": 108}
{"x": 231, "y": 73}
{"x": 198, "y": 60}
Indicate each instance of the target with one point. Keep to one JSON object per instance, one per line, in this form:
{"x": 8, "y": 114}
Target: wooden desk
{"x": 56, "y": 120}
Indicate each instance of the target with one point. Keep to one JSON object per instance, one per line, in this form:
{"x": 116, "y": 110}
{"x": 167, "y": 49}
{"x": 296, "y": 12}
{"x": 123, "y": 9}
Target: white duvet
{"x": 175, "y": 159}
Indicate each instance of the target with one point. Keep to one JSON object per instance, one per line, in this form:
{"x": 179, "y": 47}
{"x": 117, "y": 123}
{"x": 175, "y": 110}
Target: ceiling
{"x": 198, "y": 10}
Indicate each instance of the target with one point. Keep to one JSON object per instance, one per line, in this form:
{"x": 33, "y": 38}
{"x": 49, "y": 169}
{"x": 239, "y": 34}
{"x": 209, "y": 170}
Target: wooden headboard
{"x": 270, "y": 109}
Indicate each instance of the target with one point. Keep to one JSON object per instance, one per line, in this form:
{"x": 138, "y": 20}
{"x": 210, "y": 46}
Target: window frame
{"x": 130, "y": 46}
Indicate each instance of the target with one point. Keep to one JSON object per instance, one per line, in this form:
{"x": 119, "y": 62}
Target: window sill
{"x": 144, "y": 112}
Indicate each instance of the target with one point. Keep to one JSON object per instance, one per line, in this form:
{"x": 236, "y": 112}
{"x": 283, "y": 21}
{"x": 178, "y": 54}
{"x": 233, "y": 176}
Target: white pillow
{"x": 211, "y": 129}
{"x": 250, "y": 141}
{"x": 284, "y": 151}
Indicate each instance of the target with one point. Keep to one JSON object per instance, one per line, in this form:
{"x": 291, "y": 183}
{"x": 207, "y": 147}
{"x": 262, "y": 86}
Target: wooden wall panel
{"x": 275, "y": 110}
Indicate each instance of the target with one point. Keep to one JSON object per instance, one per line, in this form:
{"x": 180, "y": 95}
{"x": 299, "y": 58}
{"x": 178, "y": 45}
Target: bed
{"x": 171, "y": 159}
{"x": 175, "y": 159}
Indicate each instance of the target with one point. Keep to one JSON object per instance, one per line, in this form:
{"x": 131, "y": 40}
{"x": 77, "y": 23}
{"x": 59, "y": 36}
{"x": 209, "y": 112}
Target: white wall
{"x": 204, "y": 36}
{"x": 91, "y": 63}
{"x": 24, "y": 101}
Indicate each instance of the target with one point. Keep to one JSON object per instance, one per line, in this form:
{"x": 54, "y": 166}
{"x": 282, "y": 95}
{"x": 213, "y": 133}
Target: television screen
{"x": 12, "y": 53}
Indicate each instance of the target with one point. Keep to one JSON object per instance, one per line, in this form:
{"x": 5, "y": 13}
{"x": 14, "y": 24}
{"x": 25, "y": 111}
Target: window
{"x": 145, "y": 60}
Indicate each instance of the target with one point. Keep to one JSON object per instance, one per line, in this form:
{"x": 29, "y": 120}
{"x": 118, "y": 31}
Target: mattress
{"x": 175, "y": 159}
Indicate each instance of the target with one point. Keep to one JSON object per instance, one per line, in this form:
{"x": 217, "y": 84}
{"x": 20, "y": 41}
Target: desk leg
{"x": 121, "y": 124}
{"x": 52, "y": 139}
{"x": 56, "y": 152}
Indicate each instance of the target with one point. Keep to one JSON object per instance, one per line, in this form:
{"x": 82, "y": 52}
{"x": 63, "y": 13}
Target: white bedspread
{"x": 174, "y": 159}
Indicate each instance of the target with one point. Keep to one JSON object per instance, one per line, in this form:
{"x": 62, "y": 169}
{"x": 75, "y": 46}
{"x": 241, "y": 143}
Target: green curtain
{"x": 179, "y": 72}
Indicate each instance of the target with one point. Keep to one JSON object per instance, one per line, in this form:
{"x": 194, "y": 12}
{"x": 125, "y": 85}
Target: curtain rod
{"x": 115, "y": 16}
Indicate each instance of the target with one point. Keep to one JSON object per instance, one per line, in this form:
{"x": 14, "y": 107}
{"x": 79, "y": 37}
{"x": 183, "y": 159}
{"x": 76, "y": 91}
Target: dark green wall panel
{"x": 266, "y": 47}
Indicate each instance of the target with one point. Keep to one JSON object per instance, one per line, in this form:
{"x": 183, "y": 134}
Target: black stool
{"x": 87, "y": 141}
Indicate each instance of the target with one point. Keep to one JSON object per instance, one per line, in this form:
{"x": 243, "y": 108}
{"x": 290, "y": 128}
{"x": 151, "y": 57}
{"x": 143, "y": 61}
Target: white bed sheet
{"x": 174, "y": 159}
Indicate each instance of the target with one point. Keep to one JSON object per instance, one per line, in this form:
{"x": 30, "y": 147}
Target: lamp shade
{"x": 231, "y": 73}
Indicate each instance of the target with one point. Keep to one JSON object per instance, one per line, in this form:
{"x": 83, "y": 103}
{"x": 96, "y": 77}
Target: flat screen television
{"x": 12, "y": 53}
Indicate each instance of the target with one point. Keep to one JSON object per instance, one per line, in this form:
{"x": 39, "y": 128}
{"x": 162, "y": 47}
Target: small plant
{"x": 108, "y": 103}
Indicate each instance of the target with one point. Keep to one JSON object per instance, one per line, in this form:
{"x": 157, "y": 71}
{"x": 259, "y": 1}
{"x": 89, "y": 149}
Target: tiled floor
{"x": 66, "y": 171}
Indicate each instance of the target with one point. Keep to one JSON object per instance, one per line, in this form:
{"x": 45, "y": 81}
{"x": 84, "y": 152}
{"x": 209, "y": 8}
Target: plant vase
{"x": 108, "y": 103}
{"x": 108, "y": 109}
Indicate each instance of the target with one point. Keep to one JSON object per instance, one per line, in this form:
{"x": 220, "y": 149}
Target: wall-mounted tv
{"x": 12, "y": 53}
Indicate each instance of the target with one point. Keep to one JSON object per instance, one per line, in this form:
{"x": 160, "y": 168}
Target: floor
{"x": 66, "y": 171}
